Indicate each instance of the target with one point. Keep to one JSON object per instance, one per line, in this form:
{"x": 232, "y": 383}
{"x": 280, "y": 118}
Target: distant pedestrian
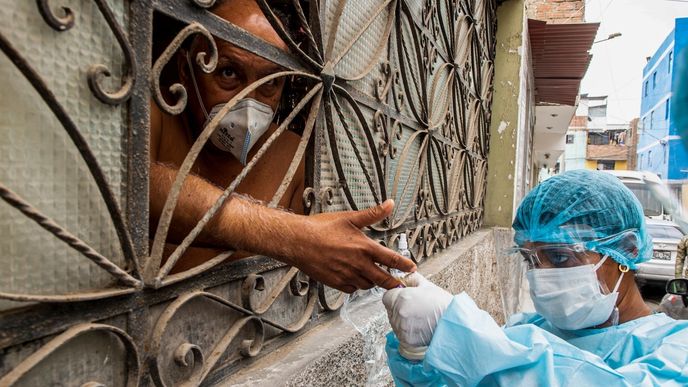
{"x": 681, "y": 269}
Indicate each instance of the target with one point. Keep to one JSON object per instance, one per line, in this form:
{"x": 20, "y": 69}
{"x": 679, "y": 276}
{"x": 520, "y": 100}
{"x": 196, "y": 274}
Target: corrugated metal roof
{"x": 561, "y": 56}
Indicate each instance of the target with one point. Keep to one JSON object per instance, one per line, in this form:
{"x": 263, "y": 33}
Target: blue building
{"x": 660, "y": 149}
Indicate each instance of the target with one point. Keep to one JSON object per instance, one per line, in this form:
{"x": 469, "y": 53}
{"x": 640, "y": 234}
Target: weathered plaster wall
{"x": 499, "y": 201}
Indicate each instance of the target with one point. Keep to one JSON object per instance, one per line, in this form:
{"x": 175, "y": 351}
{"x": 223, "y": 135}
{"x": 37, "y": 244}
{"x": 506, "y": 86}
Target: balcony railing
{"x": 614, "y": 152}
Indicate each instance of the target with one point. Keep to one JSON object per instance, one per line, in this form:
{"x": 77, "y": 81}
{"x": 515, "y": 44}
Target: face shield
{"x": 560, "y": 279}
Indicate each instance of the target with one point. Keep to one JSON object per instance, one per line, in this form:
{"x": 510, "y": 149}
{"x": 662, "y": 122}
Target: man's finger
{"x": 392, "y": 259}
{"x": 344, "y": 288}
{"x": 372, "y": 215}
{"x": 362, "y": 283}
{"x": 381, "y": 278}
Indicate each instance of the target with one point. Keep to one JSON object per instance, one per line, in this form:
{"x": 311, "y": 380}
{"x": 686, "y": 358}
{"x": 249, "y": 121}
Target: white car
{"x": 657, "y": 200}
{"x": 665, "y": 237}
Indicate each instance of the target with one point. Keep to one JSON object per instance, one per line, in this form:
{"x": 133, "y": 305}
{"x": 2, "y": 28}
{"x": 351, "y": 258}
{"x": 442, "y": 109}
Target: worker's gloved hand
{"x": 414, "y": 312}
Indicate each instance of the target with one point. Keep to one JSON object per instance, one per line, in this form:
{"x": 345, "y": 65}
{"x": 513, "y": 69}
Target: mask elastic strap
{"x": 195, "y": 85}
{"x": 623, "y": 269}
{"x": 277, "y": 109}
{"x": 597, "y": 266}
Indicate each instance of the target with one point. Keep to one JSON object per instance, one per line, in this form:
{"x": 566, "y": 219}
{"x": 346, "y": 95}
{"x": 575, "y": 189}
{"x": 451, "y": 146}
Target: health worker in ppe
{"x": 581, "y": 234}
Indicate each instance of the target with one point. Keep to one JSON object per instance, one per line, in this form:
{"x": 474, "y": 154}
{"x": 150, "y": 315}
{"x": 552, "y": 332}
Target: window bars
{"x": 394, "y": 102}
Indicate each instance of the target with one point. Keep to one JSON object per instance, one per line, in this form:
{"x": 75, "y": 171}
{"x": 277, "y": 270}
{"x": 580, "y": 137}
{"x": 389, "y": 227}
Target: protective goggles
{"x": 552, "y": 255}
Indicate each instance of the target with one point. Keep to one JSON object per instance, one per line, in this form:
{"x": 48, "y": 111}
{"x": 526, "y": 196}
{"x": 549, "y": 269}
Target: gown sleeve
{"x": 468, "y": 348}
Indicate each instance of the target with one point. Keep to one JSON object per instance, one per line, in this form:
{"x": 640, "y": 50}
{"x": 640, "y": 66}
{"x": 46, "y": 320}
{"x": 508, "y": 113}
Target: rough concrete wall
{"x": 471, "y": 269}
{"x": 556, "y": 11}
{"x": 505, "y": 111}
{"x": 335, "y": 354}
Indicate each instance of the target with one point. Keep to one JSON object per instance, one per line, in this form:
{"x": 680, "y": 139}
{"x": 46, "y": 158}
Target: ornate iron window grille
{"x": 397, "y": 107}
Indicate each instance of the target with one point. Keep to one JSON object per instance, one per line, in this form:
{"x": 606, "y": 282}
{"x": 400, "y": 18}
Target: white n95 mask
{"x": 570, "y": 298}
{"x": 242, "y": 126}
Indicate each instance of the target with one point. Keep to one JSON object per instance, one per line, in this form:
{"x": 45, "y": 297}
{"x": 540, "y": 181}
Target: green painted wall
{"x": 505, "y": 111}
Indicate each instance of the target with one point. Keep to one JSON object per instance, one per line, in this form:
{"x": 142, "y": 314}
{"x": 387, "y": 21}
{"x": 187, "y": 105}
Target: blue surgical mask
{"x": 241, "y": 127}
{"x": 571, "y": 298}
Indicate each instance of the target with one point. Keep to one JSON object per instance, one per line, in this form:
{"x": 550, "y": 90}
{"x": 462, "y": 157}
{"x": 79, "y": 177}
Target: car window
{"x": 651, "y": 206}
{"x": 664, "y": 232}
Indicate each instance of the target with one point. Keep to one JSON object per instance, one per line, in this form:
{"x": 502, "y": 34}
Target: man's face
{"x": 236, "y": 68}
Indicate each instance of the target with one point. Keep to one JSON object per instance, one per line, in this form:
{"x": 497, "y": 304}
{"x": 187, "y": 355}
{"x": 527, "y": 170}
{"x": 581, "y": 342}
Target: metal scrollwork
{"x": 190, "y": 356}
{"x": 385, "y": 83}
{"x": 132, "y": 355}
{"x": 326, "y": 299}
{"x": 204, "y": 3}
{"x": 58, "y": 23}
{"x": 98, "y": 72}
{"x": 104, "y": 188}
{"x": 395, "y": 105}
{"x": 178, "y": 89}
{"x": 200, "y": 362}
{"x": 309, "y": 197}
{"x": 327, "y": 196}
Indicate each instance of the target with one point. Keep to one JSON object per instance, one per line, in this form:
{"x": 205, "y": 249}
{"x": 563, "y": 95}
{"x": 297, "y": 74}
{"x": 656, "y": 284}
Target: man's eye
{"x": 272, "y": 82}
{"x": 227, "y": 72}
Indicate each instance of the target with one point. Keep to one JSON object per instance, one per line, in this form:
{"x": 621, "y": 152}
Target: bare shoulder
{"x": 170, "y": 141}
{"x": 290, "y": 144}
{"x": 284, "y": 148}
{"x": 290, "y": 140}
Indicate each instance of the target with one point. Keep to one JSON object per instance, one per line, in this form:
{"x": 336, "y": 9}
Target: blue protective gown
{"x": 469, "y": 348}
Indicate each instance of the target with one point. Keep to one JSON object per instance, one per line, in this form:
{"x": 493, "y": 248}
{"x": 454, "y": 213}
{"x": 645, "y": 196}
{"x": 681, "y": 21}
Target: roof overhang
{"x": 553, "y": 118}
{"x": 561, "y": 55}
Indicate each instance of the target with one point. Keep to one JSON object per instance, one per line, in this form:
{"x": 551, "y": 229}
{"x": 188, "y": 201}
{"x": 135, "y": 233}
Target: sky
{"x": 617, "y": 65}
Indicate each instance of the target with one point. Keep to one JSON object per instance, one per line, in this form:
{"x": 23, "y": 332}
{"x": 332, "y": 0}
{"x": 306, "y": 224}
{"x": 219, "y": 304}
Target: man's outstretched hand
{"x": 329, "y": 247}
{"x": 332, "y": 249}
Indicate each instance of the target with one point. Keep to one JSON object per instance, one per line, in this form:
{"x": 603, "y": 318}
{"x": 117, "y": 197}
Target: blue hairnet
{"x": 589, "y": 207}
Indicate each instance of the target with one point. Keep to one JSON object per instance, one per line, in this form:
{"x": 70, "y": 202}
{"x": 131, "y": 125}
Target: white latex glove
{"x": 414, "y": 312}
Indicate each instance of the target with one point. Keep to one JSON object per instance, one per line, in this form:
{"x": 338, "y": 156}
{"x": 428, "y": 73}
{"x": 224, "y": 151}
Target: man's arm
{"x": 329, "y": 247}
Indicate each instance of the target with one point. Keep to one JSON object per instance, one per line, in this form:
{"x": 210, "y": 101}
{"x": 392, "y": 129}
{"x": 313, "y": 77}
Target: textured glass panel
{"x": 361, "y": 190}
{"x": 409, "y": 175}
{"x": 39, "y": 160}
{"x": 351, "y": 24}
{"x": 91, "y": 356}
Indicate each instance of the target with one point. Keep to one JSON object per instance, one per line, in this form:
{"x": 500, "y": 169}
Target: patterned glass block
{"x": 41, "y": 163}
{"x": 407, "y": 167}
{"x": 90, "y": 356}
{"x": 367, "y": 36}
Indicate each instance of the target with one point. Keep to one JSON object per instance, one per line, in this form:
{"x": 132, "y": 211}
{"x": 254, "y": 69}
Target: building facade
{"x": 592, "y": 142}
{"x": 536, "y": 93}
{"x": 659, "y": 147}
